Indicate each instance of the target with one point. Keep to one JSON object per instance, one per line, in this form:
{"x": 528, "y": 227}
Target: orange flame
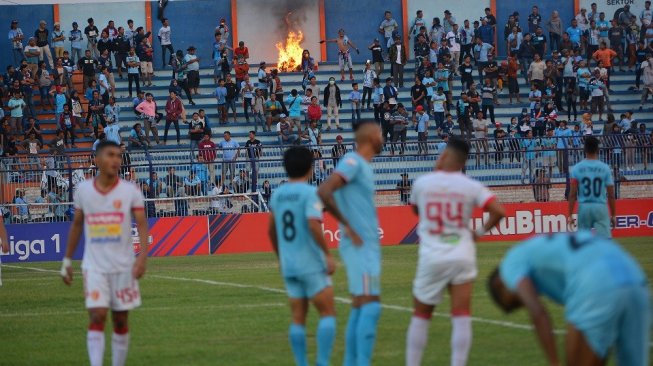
{"x": 290, "y": 54}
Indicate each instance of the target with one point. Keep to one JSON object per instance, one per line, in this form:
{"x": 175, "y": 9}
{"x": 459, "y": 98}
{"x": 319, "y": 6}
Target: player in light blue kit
{"x": 603, "y": 289}
{"x": 348, "y": 195}
{"x": 592, "y": 185}
{"x": 306, "y": 264}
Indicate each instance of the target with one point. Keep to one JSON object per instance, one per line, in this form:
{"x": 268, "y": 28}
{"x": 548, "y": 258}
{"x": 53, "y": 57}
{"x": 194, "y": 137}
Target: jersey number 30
{"x": 437, "y": 212}
{"x": 591, "y": 187}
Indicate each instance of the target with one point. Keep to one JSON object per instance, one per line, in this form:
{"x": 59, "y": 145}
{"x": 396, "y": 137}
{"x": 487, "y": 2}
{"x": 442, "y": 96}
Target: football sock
{"x": 297, "y": 336}
{"x": 350, "y": 337}
{"x": 461, "y": 339}
{"x": 366, "y": 331}
{"x": 95, "y": 344}
{"x": 416, "y": 337}
{"x": 326, "y": 334}
{"x": 119, "y": 346}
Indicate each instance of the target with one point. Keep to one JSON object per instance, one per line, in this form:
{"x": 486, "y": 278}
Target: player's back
{"x": 293, "y": 204}
{"x": 108, "y": 225}
{"x": 356, "y": 199}
{"x": 592, "y": 177}
{"x": 446, "y": 201}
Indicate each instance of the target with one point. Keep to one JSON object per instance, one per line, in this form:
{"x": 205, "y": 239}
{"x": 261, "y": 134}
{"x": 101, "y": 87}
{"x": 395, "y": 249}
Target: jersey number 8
{"x": 288, "y": 221}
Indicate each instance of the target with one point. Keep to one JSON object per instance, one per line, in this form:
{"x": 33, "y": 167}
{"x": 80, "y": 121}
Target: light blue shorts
{"x": 363, "y": 265}
{"x": 594, "y": 216}
{"x": 620, "y": 318}
{"x": 306, "y": 286}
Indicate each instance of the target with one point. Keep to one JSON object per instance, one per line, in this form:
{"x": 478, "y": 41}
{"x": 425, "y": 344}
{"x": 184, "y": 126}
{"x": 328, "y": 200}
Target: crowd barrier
{"x": 247, "y": 233}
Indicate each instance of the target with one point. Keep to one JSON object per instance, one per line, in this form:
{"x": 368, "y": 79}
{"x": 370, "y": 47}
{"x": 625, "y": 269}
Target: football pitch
{"x": 232, "y": 310}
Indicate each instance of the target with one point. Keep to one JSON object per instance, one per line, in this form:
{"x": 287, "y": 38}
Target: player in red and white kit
{"x": 104, "y": 208}
{"x": 444, "y": 200}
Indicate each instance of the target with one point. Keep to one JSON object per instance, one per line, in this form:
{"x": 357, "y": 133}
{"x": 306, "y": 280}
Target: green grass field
{"x": 231, "y": 310}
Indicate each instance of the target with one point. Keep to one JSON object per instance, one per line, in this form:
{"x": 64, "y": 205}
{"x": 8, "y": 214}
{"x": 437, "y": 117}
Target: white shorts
{"x": 117, "y": 291}
{"x": 433, "y": 276}
{"x": 146, "y": 67}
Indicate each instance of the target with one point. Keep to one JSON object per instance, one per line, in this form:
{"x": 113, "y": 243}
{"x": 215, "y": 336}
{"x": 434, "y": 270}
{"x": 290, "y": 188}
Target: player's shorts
{"x": 594, "y": 216}
{"x": 363, "y": 265}
{"x": 548, "y": 161}
{"x": 433, "y": 276}
{"x": 117, "y": 291}
{"x": 344, "y": 59}
{"x": 306, "y": 286}
{"x": 620, "y": 318}
{"x": 146, "y": 67}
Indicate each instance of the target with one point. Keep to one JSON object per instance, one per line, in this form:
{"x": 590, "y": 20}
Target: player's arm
{"x": 143, "y": 236}
{"x": 573, "y": 197}
{"x": 315, "y": 227}
{"x": 612, "y": 204}
{"x": 328, "y": 40}
{"x": 540, "y": 318}
{"x": 325, "y": 192}
{"x": 496, "y": 211}
{"x": 272, "y": 233}
{"x": 74, "y": 235}
{"x": 3, "y": 237}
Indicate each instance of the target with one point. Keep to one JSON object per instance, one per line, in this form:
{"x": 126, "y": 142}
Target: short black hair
{"x": 591, "y": 145}
{"x": 297, "y": 161}
{"x": 105, "y": 144}
{"x": 459, "y": 146}
{"x": 494, "y": 294}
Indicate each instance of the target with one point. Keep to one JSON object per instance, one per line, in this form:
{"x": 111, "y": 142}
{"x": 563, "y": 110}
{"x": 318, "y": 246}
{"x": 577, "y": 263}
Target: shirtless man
{"x": 344, "y": 43}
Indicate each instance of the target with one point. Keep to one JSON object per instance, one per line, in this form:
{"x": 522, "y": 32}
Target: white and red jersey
{"x": 108, "y": 225}
{"x": 446, "y": 201}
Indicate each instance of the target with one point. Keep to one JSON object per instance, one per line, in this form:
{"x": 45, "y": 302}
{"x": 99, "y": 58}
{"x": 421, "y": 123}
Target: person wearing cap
{"x": 75, "y": 37}
{"x": 377, "y": 56}
{"x": 16, "y": 38}
{"x": 338, "y": 150}
{"x": 192, "y": 63}
{"x": 404, "y": 187}
{"x": 398, "y": 60}
{"x": 165, "y": 38}
{"x": 42, "y": 36}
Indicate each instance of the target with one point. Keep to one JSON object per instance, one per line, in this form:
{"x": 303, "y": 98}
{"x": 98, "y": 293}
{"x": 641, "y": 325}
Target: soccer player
{"x": 4, "y": 245}
{"x": 348, "y": 195}
{"x": 592, "y": 185}
{"x": 306, "y": 264}
{"x": 104, "y": 208}
{"x": 603, "y": 289}
{"x": 444, "y": 200}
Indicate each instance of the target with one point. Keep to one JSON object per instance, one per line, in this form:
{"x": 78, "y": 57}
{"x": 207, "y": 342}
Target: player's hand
{"x": 353, "y": 236}
{"x": 67, "y": 271}
{"x": 138, "y": 270}
{"x": 613, "y": 222}
{"x": 5, "y": 247}
{"x": 331, "y": 264}
{"x": 571, "y": 222}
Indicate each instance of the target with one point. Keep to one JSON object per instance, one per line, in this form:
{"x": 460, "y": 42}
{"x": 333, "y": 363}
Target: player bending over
{"x": 348, "y": 195}
{"x": 603, "y": 289}
{"x": 306, "y": 264}
{"x": 104, "y": 208}
{"x": 444, "y": 200}
{"x": 592, "y": 185}
{"x": 4, "y": 245}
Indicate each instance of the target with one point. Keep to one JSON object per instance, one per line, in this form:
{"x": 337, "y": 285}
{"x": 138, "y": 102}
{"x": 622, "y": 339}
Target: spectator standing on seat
{"x": 534, "y": 19}
{"x": 338, "y": 150}
{"x": 121, "y": 47}
{"x": 332, "y": 102}
{"x": 273, "y": 111}
{"x": 58, "y": 39}
{"x": 355, "y": 99}
{"x": 16, "y": 37}
{"x": 285, "y": 131}
{"x": 196, "y": 130}
{"x": 368, "y": 84}
{"x": 145, "y": 53}
{"x": 482, "y": 49}
{"x": 165, "y": 38}
{"x": 404, "y": 187}
{"x": 192, "y": 63}
{"x": 148, "y": 110}
{"x": 208, "y": 153}
{"x": 399, "y": 128}
{"x": 66, "y": 124}
{"x": 254, "y": 152}
{"x": 232, "y": 95}
{"x": 294, "y": 106}
{"x": 230, "y": 152}
{"x": 377, "y": 56}
{"x": 221, "y": 101}
{"x": 180, "y": 74}
{"x": 554, "y": 26}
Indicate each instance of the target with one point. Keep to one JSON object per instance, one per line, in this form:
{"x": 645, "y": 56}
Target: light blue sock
{"x": 366, "y": 332}
{"x": 350, "y": 337}
{"x": 297, "y": 336}
{"x": 326, "y": 334}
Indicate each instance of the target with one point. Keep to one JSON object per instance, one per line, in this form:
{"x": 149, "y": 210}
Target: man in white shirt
{"x": 165, "y": 37}
{"x": 444, "y": 200}
{"x": 454, "y": 45}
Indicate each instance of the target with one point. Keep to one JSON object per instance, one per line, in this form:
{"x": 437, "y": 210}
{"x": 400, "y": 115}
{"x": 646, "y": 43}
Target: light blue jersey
{"x": 293, "y": 204}
{"x": 592, "y": 176}
{"x": 356, "y": 203}
{"x": 603, "y": 289}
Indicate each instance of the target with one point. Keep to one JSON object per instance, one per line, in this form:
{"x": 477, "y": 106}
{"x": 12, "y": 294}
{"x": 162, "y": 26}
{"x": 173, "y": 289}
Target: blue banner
{"x": 38, "y": 242}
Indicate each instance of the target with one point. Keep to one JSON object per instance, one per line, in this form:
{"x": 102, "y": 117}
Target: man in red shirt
{"x": 207, "y": 151}
{"x": 241, "y": 50}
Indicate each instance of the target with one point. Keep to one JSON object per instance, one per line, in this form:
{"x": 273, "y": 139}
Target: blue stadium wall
{"x": 193, "y": 21}
{"x": 29, "y": 17}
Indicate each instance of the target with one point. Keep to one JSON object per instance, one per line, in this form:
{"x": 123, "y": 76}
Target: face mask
{"x": 331, "y": 82}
